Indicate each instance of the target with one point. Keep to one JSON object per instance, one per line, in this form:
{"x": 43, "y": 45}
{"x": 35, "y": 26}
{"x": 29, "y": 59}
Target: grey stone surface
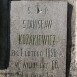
{"x": 38, "y": 36}
{"x": 71, "y": 49}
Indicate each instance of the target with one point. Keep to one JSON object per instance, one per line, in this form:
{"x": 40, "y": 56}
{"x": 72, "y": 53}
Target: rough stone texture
{"x": 53, "y": 57}
{"x": 71, "y": 71}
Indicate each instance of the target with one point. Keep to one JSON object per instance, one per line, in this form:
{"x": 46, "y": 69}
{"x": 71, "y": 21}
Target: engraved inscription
{"x": 38, "y": 39}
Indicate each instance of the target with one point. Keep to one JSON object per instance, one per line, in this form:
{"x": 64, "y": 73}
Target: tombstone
{"x": 38, "y": 36}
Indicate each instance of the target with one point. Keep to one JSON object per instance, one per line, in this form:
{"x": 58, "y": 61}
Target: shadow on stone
{"x": 4, "y": 34}
{"x": 69, "y": 39}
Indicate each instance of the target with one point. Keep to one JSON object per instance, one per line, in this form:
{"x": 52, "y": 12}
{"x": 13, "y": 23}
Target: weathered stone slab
{"x": 38, "y": 32}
